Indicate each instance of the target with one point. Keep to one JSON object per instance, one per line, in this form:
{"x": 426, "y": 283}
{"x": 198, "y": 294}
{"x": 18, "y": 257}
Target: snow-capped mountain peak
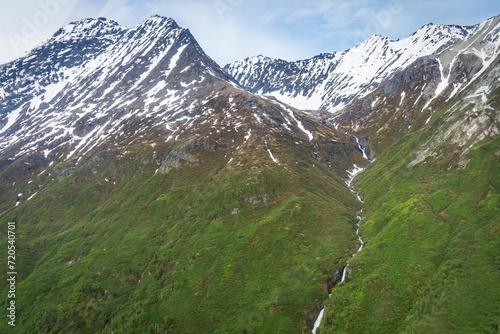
{"x": 83, "y": 89}
{"x": 93, "y": 77}
{"x": 333, "y": 80}
{"x": 86, "y": 29}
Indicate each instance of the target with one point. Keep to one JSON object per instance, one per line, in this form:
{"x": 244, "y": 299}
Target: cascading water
{"x": 352, "y": 174}
{"x": 361, "y": 148}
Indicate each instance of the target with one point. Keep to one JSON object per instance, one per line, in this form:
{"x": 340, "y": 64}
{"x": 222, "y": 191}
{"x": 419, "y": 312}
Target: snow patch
{"x": 11, "y": 119}
{"x": 271, "y": 155}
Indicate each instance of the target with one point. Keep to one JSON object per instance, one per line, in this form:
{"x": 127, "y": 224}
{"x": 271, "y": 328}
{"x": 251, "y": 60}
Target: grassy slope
{"x": 431, "y": 263}
{"x": 152, "y": 252}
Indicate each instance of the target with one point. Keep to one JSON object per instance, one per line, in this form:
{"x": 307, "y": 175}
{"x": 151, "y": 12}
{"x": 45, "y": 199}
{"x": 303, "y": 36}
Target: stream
{"x": 352, "y": 174}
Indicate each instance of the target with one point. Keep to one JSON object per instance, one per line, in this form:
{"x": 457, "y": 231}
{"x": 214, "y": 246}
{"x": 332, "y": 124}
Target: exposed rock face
{"x": 183, "y": 154}
{"x": 405, "y": 102}
{"x": 335, "y": 278}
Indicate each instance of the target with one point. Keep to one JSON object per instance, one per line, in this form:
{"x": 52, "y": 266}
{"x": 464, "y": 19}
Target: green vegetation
{"x": 432, "y": 232}
{"x": 209, "y": 235}
{"x": 209, "y": 247}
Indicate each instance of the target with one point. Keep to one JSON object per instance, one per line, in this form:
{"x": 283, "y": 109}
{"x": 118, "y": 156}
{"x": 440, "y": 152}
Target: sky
{"x": 230, "y": 30}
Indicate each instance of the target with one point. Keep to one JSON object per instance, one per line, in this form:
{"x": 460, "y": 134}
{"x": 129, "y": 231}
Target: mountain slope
{"x": 151, "y": 193}
{"x": 106, "y": 79}
{"x": 406, "y": 102}
{"x": 332, "y": 81}
{"x": 430, "y": 263}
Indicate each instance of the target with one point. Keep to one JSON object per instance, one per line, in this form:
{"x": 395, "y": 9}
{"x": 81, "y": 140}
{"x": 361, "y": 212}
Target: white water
{"x": 361, "y": 148}
{"x": 318, "y": 321}
{"x": 352, "y": 174}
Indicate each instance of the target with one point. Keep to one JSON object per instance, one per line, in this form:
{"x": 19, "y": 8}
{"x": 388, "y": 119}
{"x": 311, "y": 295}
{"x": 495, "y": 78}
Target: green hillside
{"x": 214, "y": 246}
{"x": 432, "y": 232}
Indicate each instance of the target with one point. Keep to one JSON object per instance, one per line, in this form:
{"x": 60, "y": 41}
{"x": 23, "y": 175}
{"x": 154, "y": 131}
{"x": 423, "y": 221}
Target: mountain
{"x": 151, "y": 192}
{"x": 89, "y": 81}
{"x": 431, "y": 217}
{"x": 331, "y": 81}
{"x": 406, "y": 101}
{"x": 431, "y": 221}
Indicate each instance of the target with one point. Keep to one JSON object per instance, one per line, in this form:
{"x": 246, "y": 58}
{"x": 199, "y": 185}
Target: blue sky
{"x": 229, "y": 30}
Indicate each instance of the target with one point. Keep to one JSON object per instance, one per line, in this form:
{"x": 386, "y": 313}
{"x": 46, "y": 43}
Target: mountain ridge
{"x": 153, "y": 192}
{"x": 158, "y": 41}
{"x": 173, "y": 184}
{"x": 353, "y": 73}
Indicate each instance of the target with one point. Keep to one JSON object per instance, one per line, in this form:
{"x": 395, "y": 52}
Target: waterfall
{"x": 362, "y": 149}
{"x": 318, "y": 321}
{"x": 352, "y": 174}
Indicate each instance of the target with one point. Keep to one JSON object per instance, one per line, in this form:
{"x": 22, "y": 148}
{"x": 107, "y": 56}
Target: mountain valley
{"x": 155, "y": 191}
